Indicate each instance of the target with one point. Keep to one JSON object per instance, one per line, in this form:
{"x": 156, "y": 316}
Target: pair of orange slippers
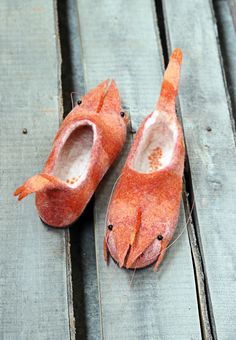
{"x": 144, "y": 207}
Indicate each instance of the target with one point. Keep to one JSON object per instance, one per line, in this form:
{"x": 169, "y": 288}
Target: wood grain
{"x": 120, "y": 41}
{"x": 212, "y": 155}
{"x": 35, "y": 292}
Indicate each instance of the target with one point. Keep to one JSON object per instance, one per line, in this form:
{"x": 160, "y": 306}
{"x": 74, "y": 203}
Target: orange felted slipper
{"x": 144, "y": 207}
{"x": 89, "y": 140}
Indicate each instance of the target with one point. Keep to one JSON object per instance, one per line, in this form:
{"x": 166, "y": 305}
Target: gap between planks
{"x": 84, "y": 280}
{"x": 71, "y": 317}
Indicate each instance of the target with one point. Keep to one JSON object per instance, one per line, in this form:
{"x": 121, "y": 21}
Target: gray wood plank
{"x": 120, "y": 41}
{"x": 35, "y": 293}
{"x": 212, "y": 155}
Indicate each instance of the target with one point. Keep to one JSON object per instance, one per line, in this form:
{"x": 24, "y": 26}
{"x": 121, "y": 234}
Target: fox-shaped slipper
{"x": 89, "y": 140}
{"x": 144, "y": 208}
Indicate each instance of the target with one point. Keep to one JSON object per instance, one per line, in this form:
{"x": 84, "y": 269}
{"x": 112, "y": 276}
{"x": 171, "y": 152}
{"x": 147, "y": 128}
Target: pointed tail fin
{"x": 170, "y": 82}
{"x": 36, "y": 183}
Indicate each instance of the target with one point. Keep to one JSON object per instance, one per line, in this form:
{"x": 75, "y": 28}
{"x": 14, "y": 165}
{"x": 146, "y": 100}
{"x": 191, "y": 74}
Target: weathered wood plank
{"x": 35, "y": 301}
{"x": 119, "y": 41}
{"x": 212, "y": 155}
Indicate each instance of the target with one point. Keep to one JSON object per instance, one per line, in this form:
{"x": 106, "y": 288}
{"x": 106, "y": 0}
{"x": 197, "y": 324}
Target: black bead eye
{"x": 160, "y": 237}
{"x": 122, "y": 113}
{"x": 110, "y": 226}
{"x": 79, "y": 102}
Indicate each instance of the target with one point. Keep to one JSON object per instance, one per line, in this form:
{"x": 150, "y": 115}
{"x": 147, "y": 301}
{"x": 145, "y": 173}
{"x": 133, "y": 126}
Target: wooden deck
{"x": 50, "y": 49}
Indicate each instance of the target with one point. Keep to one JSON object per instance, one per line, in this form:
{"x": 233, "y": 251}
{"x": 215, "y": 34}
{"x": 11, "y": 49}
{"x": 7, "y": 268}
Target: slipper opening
{"x": 74, "y": 156}
{"x": 156, "y": 147}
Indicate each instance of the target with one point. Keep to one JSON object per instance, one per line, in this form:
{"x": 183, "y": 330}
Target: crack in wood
{"x": 67, "y": 235}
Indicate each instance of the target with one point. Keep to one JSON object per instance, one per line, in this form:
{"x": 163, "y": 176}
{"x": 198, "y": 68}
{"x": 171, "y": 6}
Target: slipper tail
{"x": 170, "y": 84}
{"x": 36, "y": 183}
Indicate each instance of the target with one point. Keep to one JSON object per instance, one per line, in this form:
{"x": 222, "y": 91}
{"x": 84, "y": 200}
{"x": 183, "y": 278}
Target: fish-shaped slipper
{"x": 144, "y": 207}
{"x": 89, "y": 140}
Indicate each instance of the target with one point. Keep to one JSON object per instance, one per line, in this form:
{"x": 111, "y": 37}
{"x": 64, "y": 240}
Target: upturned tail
{"x": 37, "y": 183}
{"x": 170, "y": 84}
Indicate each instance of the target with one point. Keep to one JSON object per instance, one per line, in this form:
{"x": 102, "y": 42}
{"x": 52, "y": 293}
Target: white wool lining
{"x": 159, "y": 133}
{"x": 73, "y": 158}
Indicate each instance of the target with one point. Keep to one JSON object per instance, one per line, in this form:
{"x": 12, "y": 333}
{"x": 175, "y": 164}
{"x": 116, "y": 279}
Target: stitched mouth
{"x": 73, "y": 158}
{"x": 149, "y": 256}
